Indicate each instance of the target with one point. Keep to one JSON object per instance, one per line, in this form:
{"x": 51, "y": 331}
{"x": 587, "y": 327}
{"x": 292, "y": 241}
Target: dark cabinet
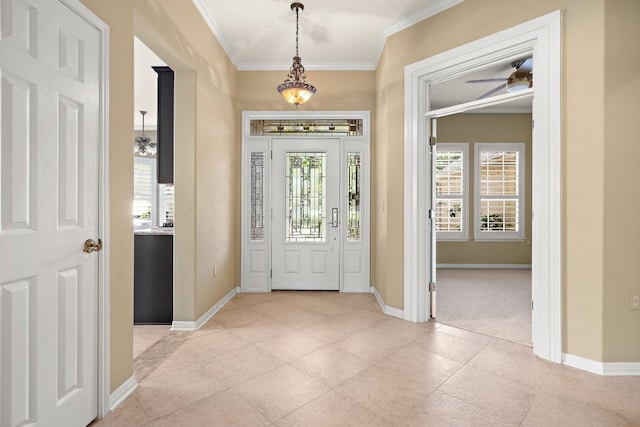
{"x": 153, "y": 279}
{"x": 165, "y": 124}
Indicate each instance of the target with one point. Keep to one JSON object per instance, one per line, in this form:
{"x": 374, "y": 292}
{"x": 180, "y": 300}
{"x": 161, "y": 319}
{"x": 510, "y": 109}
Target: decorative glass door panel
{"x": 305, "y": 197}
{"x": 306, "y": 224}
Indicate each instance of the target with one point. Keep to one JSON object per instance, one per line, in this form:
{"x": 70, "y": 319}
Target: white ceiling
{"x": 334, "y": 35}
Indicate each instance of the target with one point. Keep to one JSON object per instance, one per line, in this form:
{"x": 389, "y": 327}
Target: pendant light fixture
{"x": 294, "y": 89}
{"x": 143, "y": 144}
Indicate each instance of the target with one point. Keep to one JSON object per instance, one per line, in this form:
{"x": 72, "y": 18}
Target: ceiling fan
{"x": 521, "y": 78}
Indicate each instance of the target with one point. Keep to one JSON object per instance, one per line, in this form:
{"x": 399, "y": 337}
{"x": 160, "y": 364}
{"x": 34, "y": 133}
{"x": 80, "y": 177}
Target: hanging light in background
{"x": 143, "y": 144}
{"x": 294, "y": 89}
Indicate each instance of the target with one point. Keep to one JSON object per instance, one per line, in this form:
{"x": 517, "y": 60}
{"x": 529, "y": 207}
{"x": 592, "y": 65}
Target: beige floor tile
{"x": 449, "y": 346}
{"x": 223, "y": 409}
{"x": 291, "y": 345}
{"x": 201, "y": 349}
{"x": 164, "y": 394}
{"x": 211, "y": 326}
{"x": 356, "y": 320}
{"x": 330, "y": 330}
{"x": 470, "y": 336}
{"x": 386, "y": 393}
{"x": 297, "y": 318}
{"x": 616, "y": 394}
{"x": 401, "y": 329}
{"x": 128, "y": 414}
{"x": 550, "y": 410}
{"x": 260, "y": 330}
{"x": 491, "y": 393}
{"x": 513, "y": 364}
{"x": 356, "y": 300}
{"x": 333, "y": 409}
{"x": 413, "y": 363}
{"x": 249, "y": 299}
{"x": 281, "y": 391}
{"x": 440, "y": 409}
{"x": 236, "y": 316}
{"x": 240, "y": 365}
{"x": 324, "y": 306}
{"x": 331, "y": 365}
{"x": 150, "y": 332}
{"x": 372, "y": 344}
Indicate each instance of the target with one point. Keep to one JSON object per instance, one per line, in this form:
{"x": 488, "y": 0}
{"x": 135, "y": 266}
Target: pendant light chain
{"x": 297, "y": 31}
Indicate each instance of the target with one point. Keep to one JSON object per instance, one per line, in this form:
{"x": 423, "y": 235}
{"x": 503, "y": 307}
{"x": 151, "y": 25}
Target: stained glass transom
{"x": 354, "y": 214}
{"x": 305, "y": 197}
{"x": 334, "y": 127}
{"x": 257, "y": 196}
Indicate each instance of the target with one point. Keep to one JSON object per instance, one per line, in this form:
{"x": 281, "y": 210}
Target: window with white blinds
{"x": 499, "y": 191}
{"x": 166, "y": 203}
{"x": 144, "y": 192}
{"x": 451, "y": 187}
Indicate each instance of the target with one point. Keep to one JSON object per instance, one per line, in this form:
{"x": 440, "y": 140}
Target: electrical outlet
{"x": 634, "y": 302}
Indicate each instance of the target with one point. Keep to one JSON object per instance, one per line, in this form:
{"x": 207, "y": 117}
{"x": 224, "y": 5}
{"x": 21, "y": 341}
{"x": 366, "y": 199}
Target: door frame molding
{"x": 542, "y": 38}
{"x": 104, "y": 317}
{"x": 262, "y": 283}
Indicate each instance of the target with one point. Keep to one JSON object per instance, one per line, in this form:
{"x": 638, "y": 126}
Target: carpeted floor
{"x": 491, "y": 302}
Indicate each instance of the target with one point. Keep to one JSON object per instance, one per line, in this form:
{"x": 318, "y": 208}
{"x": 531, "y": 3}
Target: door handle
{"x": 90, "y": 245}
{"x": 334, "y": 217}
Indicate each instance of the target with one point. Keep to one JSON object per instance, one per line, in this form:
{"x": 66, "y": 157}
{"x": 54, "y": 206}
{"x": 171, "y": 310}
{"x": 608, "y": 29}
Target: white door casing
{"x": 540, "y": 38}
{"x": 305, "y": 238}
{"x": 52, "y": 118}
{"x": 258, "y": 201}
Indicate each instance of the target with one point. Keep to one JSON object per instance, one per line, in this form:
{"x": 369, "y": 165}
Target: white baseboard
{"x": 488, "y": 266}
{"x": 121, "y": 394}
{"x": 391, "y": 311}
{"x": 193, "y": 326}
{"x": 607, "y": 369}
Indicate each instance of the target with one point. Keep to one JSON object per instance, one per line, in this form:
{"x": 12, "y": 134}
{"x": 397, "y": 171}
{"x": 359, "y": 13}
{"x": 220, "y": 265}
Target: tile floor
{"x": 321, "y": 358}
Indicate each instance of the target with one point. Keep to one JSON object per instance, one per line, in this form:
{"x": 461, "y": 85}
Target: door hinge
{"x": 533, "y": 124}
{"x": 531, "y": 305}
{"x": 271, "y": 154}
{"x": 271, "y": 272}
{"x": 432, "y": 286}
{"x": 430, "y": 213}
{"x": 432, "y": 141}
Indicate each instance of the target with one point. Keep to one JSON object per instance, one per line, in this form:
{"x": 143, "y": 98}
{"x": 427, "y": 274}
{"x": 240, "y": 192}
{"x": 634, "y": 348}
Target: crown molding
{"x": 213, "y": 26}
{"x": 431, "y": 10}
{"x": 317, "y": 66}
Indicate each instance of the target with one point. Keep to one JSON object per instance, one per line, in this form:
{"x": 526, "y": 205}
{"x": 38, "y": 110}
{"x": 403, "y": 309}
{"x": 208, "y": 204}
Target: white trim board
{"x": 391, "y": 311}
{"x": 607, "y": 369}
{"x": 540, "y": 38}
{"x": 122, "y": 392}
{"x": 178, "y": 325}
{"x": 487, "y": 266}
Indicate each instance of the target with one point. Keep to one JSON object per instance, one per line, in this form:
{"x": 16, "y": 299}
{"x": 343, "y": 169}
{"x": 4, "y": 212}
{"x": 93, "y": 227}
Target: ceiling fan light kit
{"x": 143, "y": 144}
{"x": 295, "y": 90}
{"x": 521, "y": 78}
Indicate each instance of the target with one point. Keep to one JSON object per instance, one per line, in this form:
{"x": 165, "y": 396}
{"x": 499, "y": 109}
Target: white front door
{"x": 306, "y": 196}
{"x": 49, "y": 151}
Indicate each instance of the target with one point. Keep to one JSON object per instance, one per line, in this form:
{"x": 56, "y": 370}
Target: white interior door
{"x": 306, "y": 229}
{"x": 431, "y": 201}
{"x": 49, "y": 151}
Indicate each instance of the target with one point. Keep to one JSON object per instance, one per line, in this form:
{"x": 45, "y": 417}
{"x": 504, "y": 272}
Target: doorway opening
{"x": 539, "y": 39}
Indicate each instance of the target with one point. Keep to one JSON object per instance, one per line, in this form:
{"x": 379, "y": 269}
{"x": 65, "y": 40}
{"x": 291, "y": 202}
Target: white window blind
{"x": 499, "y": 191}
{"x": 451, "y": 187}
{"x": 144, "y": 192}
{"x": 166, "y": 203}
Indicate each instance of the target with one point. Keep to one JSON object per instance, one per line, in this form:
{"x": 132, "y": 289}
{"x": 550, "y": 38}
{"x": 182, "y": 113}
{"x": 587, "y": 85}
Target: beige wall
{"x": 118, "y": 14}
{"x": 206, "y": 166}
{"x": 621, "y": 179}
{"x": 589, "y": 275}
{"x": 472, "y": 128}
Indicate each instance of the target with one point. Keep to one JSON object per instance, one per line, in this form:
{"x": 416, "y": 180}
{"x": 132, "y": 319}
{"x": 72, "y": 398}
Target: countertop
{"x": 155, "y": 231}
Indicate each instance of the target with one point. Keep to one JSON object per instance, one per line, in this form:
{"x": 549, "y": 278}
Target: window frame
{"x": 154, "y": 191}
{"x": 513, "y": 236}
{"x": 463, "y": 235}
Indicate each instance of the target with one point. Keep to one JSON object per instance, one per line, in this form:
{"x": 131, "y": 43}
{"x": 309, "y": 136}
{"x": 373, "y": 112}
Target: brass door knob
{"x": 90, "y": 245}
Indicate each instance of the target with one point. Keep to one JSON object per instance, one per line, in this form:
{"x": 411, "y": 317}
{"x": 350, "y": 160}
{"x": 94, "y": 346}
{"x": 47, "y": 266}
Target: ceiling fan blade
{"x": 491, "y": 92}
{"x": 526, "y": 65}
{"x": 487, "y": 80}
